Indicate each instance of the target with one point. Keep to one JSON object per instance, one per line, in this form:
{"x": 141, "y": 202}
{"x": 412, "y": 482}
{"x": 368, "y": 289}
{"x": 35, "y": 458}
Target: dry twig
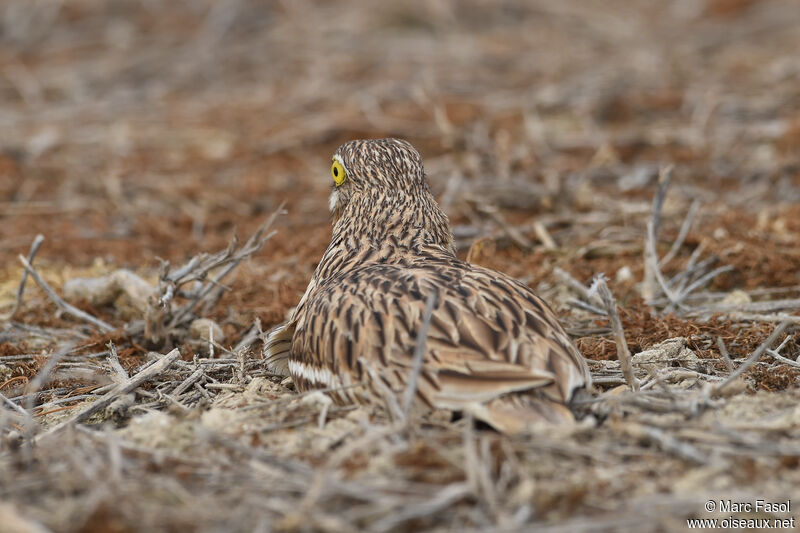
{"x": 37, "y": 243}
{"x": 652, "y": 271}
{"x": 67, "y": 308}
{"x": 755, "y": 356}
{"x": 419, "y": 353}
{"x": 152, "y": 370}
{"x": 623, "y": 354}
{"x": 684, "y": 231}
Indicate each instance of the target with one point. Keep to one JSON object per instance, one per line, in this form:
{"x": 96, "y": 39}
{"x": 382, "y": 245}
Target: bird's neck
{"x": 385, "y": 228}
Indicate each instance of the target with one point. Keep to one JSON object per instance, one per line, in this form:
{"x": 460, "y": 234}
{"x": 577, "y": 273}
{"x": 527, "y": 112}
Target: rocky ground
{"x": 654, "y": 142}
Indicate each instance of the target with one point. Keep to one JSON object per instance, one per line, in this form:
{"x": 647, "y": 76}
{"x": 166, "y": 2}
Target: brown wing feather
{"x": 490, "y": 335}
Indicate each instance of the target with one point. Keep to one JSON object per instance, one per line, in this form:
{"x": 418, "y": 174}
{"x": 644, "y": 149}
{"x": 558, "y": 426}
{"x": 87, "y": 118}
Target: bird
{"x": 491, "y": 347}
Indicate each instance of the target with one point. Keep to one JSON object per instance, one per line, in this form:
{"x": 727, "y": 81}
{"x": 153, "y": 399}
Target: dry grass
{"x": 139, "y": 134}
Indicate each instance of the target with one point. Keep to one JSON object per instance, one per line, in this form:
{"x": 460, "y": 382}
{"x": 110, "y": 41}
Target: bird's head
{"x": 374, "y": 166}
{"x": 379, "y": 180}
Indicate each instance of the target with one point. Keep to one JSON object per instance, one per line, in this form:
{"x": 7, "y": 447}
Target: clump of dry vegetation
{"x": 654, "y": 143}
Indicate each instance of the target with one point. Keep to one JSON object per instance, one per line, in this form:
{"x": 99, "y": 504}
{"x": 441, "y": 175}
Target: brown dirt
{"x": 133, "y": 132}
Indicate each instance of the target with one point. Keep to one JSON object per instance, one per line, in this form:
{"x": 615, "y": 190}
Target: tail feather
{"x": 513, "y": 414}
{"x": 277, "y": 348}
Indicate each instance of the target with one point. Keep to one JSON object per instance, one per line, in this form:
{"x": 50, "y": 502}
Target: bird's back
{"x": 489, "y": 336}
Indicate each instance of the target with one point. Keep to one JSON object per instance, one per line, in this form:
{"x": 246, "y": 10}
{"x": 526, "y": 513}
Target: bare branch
{"x": 419, "y": 354}
{"x": 577, "y": 286}
{"x": 652, "y": 272}
{"x": 684, "y": 231}
{"x": 67, "y": 308}
{"x": 43, "y": 374}
{"x": 623, "y": 354}
{"x": 723, "y": 352}
{"x": 149, "y": 372}
{"x": 37, "y": 243}
{"x": 755, "y": 356}
{"x": 113, "y": 359}
{"x": 229, "y": 258}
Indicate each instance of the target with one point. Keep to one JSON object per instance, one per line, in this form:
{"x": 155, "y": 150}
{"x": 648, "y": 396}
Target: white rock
{"x": 665, "y": 353}
{"x": 623, "y": 274}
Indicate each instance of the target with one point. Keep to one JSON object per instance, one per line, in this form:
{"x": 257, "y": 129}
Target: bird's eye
{"x": 338, "y": 173}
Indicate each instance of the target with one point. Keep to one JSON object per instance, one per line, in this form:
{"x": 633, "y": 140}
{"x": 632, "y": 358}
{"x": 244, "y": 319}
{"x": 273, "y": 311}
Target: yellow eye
{"x": 338, "y": 173}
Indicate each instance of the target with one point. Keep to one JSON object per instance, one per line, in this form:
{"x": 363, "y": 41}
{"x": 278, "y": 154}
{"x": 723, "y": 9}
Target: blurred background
{"x": 137, "y": 129}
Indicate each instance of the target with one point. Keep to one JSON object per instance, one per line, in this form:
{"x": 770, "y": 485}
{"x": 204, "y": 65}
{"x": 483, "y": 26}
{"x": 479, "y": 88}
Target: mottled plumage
{"x": 494, "y": 348}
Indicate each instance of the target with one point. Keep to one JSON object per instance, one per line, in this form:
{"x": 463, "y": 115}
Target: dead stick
{"x": 755, "y": 356}
{"x": 770, "y": 305}
{"x": 758, "y": 317}
{"x": 576, "y": 286}
{"x": 723, "y": 352}
{"x": 684, "y": 231}
{"x": 652, "y": 272}
{"x": 37, "y": 243}
{"x": 388, "y": 395}
{"x": 67, "y": 308}
{"x": 128, "y": 386}
{"x": 419, "y": 353}
{"x": 666, "y": 442}
{"x": 623, "y": 354}
{"x": 188, "y": 382}
{"x": 782, "y": 359}
{"x": 17, "y": 408}
{"x": 513, "y": 233}
{"x": 425, "y": 507}
{"x": 544, "y": 236}
{"x": 253, "y": 244}
{"x": 113, "y": 359}
{"x": 43, "y": 374}
{"x": 702, "y": 281}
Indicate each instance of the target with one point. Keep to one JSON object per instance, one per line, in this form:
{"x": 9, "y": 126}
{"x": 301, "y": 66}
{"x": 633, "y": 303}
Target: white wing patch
{"x": 317, "y": 376}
